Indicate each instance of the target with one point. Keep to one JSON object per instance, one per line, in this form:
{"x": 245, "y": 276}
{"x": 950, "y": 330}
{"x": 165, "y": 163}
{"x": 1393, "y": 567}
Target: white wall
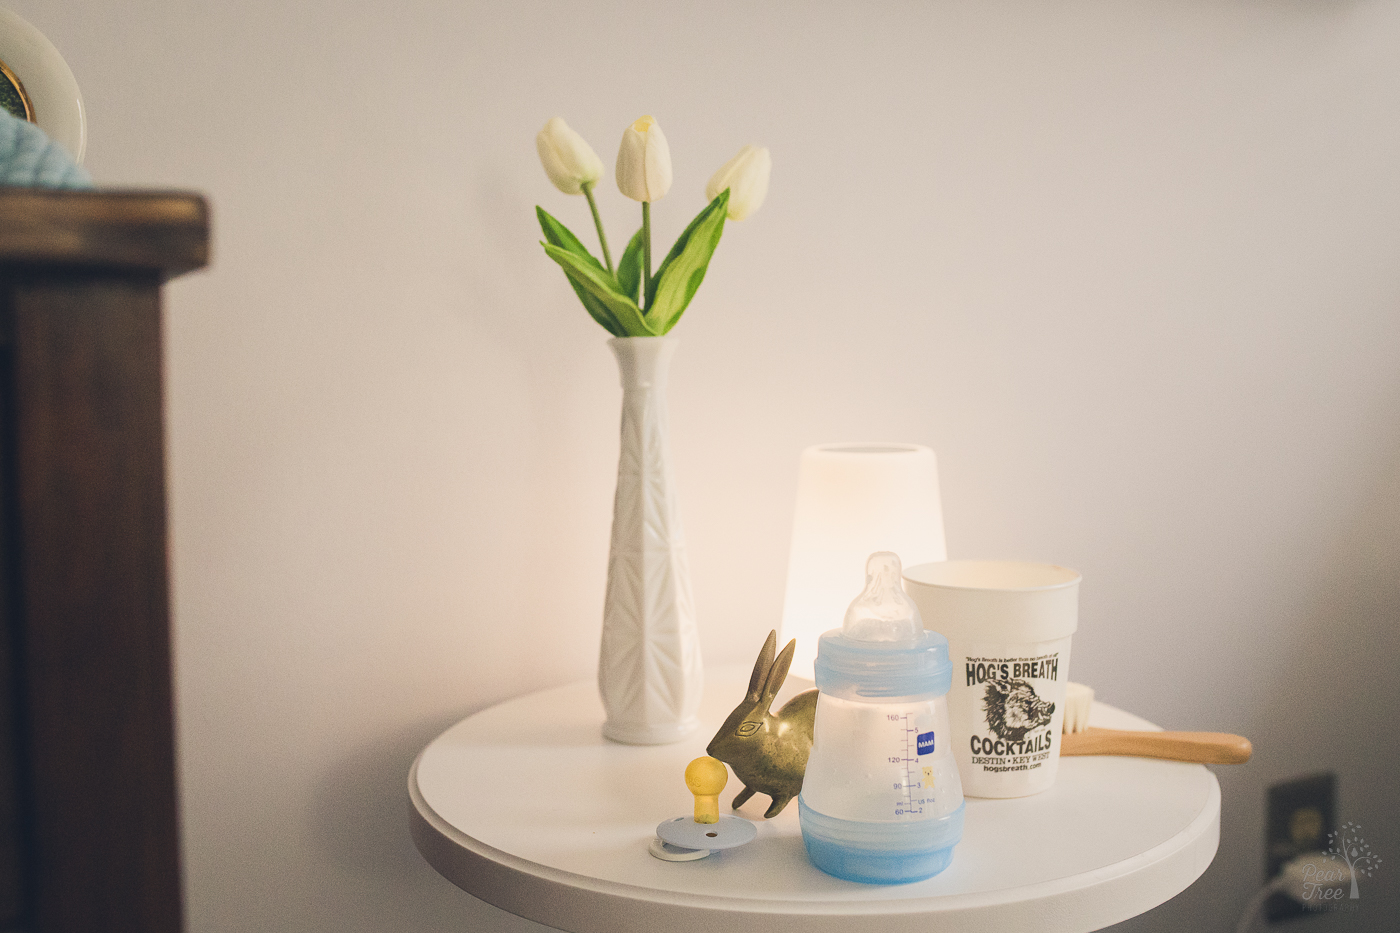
{"x": 1131, "y": 268}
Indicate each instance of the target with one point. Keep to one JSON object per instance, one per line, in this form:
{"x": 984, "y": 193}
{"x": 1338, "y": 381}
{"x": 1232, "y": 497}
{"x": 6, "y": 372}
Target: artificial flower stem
{"x": 646, "y": 250}
{"x": 598, "y": 222}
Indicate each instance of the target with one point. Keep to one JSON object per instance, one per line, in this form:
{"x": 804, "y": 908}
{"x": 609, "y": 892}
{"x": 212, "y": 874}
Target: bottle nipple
{"x": 706, "y": 777}
{"x": 883, "y": 611}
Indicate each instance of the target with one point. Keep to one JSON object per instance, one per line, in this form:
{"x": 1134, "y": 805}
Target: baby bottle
{"x": 881, "y": 800}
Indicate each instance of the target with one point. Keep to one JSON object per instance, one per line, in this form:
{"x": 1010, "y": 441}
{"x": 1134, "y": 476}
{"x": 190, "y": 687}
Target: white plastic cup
{"x": 1008, "y": 625}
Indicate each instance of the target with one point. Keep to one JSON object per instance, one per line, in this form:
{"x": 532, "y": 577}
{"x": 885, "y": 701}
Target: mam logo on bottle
{"x": 925, "y": 743}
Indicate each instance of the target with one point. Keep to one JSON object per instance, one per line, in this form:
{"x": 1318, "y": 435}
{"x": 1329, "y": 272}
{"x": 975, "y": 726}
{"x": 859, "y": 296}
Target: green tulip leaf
{"x": 559, "y": 235}
{"x": 682, "y": 241}
{"x": 596, "y": 281}
{"x": 683, "y": 269}
{"x": 595, "y": 308}
{"x": 629, "y": 267}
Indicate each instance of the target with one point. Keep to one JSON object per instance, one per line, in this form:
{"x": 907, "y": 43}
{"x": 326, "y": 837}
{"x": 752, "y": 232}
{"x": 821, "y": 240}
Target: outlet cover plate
{"x": 1301, "y": 813}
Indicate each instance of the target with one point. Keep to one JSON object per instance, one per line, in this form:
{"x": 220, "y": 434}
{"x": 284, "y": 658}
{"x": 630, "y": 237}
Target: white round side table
{"x": 526, "y": 806}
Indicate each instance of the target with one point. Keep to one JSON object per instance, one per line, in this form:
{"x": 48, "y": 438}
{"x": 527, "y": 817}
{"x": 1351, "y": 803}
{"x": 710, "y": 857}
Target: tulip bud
{"x": 567, "y": 159}
{"x": 746, "y": 177}
{"x": 644, "y": 161}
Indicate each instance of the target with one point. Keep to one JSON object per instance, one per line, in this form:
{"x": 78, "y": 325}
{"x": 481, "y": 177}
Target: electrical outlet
{"x": 1301, "y": 814}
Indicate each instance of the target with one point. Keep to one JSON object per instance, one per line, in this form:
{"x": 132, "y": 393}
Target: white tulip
{"x": 568, "y": 160}
{"x": 644, "y": 161}
{"x": 746, "y": 177}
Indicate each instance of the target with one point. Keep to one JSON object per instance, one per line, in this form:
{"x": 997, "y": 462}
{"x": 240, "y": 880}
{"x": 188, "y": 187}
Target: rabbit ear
{"x": 779, "y": 673}
{"x": 762, "y": 665}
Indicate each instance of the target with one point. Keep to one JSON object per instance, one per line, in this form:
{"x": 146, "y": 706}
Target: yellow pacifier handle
{"x": 706, "y": 777}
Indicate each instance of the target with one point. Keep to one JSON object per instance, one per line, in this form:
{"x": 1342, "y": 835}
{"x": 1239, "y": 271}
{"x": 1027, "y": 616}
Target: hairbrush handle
{"x": 1214, "y": 748}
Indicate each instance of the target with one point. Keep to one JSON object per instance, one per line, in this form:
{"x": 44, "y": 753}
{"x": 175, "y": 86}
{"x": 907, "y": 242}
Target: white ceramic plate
{"x": 46, "y": 81}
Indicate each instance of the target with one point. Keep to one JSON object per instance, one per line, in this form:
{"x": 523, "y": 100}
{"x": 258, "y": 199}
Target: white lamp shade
{"x": 853, "y": 500}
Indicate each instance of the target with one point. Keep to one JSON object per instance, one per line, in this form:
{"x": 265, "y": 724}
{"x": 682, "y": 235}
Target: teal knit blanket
{"x": 28, "y": 158}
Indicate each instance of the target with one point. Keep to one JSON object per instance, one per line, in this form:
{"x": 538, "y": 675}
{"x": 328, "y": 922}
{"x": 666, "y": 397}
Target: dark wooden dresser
{"x": 89, "y": 831}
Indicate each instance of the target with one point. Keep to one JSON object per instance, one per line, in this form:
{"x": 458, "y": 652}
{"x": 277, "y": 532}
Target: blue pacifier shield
{"x": 729, "y": 832}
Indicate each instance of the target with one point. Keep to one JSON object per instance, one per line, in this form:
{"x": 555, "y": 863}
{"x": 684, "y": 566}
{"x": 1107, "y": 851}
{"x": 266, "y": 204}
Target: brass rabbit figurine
{"x": 768, "y": 753}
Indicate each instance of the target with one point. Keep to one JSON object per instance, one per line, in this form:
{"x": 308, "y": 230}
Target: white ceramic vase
{"x": 649, "y": 670}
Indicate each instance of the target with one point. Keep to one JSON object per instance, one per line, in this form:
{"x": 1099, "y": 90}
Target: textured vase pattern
{"x": 649, "y": 670}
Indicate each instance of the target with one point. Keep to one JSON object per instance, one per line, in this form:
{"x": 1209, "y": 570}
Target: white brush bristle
{"x": 1078, "y": 700}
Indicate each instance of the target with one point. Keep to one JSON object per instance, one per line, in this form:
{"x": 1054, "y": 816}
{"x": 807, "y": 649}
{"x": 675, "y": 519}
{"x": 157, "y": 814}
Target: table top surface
{"x": 528, "y": 807}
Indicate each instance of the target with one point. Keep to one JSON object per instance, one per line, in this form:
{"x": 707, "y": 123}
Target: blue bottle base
{"x": 880, "y": 853}
{"x": 871, "y": 867}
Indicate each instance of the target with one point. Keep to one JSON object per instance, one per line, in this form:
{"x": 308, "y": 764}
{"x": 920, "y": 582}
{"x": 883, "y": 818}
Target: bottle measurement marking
{"x": 909, "y": 761}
